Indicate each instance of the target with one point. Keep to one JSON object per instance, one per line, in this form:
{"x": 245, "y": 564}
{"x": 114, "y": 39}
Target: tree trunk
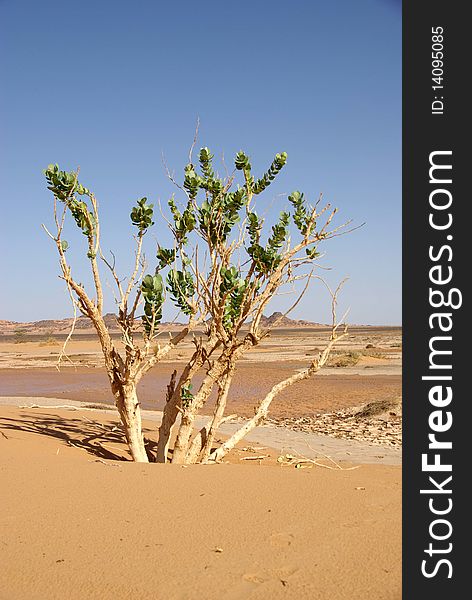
{"x": 217, "y": 415}
{"x": 172, "y": 407}
{"x": 189, "y": 412}
{"x": 179, "y": 455}
{"x": 214, "y": 374}
{"x": 169, "y": 417}
{"x": 130, "y": 413}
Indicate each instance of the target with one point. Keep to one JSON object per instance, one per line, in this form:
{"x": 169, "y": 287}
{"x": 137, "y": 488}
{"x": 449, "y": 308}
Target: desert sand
{"x": 80, "y": 521}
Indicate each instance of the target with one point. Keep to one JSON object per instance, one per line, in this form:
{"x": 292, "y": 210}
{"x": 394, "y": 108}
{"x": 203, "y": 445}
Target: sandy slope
{"x": 76, "y": 527}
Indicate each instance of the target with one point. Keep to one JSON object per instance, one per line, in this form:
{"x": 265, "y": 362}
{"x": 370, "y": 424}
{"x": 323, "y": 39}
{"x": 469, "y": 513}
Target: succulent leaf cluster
{"x": 215, "y": 218}
{"x": 142, "y": 214}
{"x": 191, "y": 181}
{"x": 165, "y": 257}
{"x": 300, "y": 216}
{"x": 181, "y": 286}
{"x": 241, "y": 161}
{"x": 65, "y": 186}
{"x": 267, "y": 258}
{"x": 186, "y": 395}
{"x": 184, "y": 223}
{"x": 206, "y": 157}
{"x": 232, "y": 289}
{"x": 261, "y": 184}
{"x": 152, "y": 290}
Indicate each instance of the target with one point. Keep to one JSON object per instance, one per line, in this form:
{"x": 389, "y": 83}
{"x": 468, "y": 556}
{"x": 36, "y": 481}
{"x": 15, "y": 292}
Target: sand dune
{"x": 79, "y": 526}
{"x": 79, "y": 521}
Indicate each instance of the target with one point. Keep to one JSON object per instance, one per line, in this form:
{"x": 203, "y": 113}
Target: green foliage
{"x": 64, "y": 185}
{"x": 207, "y": 222}
{"x": 232, "y": 288}
{"x": 165, "y": 257}
{"x": 279, "y": 232}
{"x": 232, "y": 204}
{"x": 218, "y": 216}
{"x": 141, "y": 215}
{"x": 274, "y": 169}
{"x": 300, "y": 217}
{"x": 181, "y": 286}
{"x": 83, "y": 217}
{"x": 191, "y": 181}
{"x": 267, "y": 258}
{"x": 184, "y": 223}
{"x": 241, "y": 162}
{"x": 215, "y": 218}
{"x": 312, "y": 252}
{"x": 213, "y": 186}
{"x": 254, "y": 227}
{"x": 186, "y": 394}
{"x": 152, "y": 289}
{"x": 209, "y": 182}
{"x": 219, "y": 212}
{"x": 205, "y": 158}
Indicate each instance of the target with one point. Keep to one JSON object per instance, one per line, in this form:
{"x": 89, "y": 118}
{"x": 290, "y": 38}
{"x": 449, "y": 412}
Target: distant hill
{"x": 281, "y": 321}
{"x": 58, "y": 326}
{"x": 54, "y": 325}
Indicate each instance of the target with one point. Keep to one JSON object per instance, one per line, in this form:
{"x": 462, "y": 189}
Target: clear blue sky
{"x": 110, "y": 85}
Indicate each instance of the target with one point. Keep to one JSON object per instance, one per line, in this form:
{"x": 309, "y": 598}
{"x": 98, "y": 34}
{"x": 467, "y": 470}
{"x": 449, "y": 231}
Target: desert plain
{"x": 308, "y": 506}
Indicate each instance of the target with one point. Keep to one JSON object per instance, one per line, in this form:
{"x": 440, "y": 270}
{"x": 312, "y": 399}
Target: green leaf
{"x": 166, "y": 257}
{"x": 141, "y": 215}
{"x": 274, "y": 169}
{"x": 152, "y": 290}
{"x": 181, "y": 286}
{"x": 241, "y": 162}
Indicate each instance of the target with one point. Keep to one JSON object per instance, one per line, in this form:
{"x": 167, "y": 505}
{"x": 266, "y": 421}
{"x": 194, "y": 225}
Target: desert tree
{"x": 222, "y": 269}
{"x": 140, "y": 349}
{"x": 231, "y": 265}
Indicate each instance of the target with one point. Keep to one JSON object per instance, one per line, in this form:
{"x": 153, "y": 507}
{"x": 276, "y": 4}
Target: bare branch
{"x": 111, "y": 267}
{"x": 197, "y": 127}
{"x": 261, "y": 412}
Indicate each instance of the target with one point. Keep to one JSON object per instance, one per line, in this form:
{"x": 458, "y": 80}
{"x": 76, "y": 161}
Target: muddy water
{"x": 320, "y": 394}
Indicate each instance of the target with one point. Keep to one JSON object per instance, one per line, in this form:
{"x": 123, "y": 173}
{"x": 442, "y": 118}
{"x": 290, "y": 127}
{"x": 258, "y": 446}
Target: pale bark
{"x": 198, "y": 442}
{"x": 196, "y": 447}
{"x": 172, "y": 407}
{"x": 124, "y": 372}
{"x": 169, "y": 416}
{"x": 262, "y": 410}
{"x": 189, "y": 412}
{"x": 217, "y": 418}
{"x": 130, "y": 412}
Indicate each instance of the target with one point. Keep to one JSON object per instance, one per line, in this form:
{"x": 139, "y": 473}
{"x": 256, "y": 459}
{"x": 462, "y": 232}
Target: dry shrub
{"x": 347, "y": 359}
{"x": 380, "y": 407}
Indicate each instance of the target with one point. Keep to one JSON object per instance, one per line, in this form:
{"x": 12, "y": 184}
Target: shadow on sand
{"x": 90, "y": 435}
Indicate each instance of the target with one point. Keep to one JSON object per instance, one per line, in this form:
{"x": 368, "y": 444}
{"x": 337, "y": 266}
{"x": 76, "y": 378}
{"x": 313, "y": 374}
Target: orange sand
{"x": 79, "y": 527}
